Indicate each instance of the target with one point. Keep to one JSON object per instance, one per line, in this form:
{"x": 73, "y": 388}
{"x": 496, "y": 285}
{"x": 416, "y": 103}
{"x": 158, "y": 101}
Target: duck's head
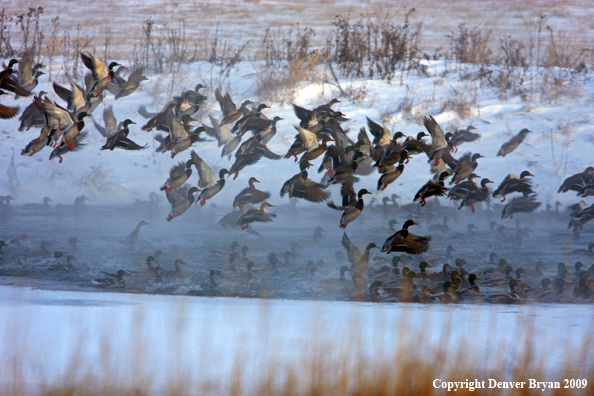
{"x": 250, "y": 265}
{"x": 58, "y": 254}
{"x": 525, "y": 131}
{"x": 186, "y": 119}
{"x": 303, "y": 165}
{"x": 222, "y": 173}
{"x": 525, "y": 174}
{"x": 578, "y": 266}
{"x": 447, "y": 286}
{"x": 408, "y": 223}
{"x": 507, "y": 270}
{"x": 472, "y": 278}
{"x": 545, "y": 283}
{"x": 121, "y": 273}
{"x": 421, "y": 135}
{"x": 484, "y": 182}
{"x": 362, "y": 192}
{"x": 266, "y": 205}
{"x": 199, "y": 99}
{"x": 143, "y": 223}
{"x": 189, "y": 164}
{"x": 180, "y": 262}
{"x": 519, "y": 273}
{"x": 357, "y": 155}
{"x": 112, "y": 65}
{"x": 395, "y": 261}
{"x": 559, "y": 285}
{"x": 276, "y": 119}
{"x": 343, "y": 269}
{"x": 443, "y": 175}
{"x": 127, "y": 122}
{"x": 371, "y": 246}
{"x": 411, "y": 275}
{"x": 502, "y": 263}
{"x": 476, "y": 156}
{"x": 392, "y": 222}
{"x": 561, "y": 267}
{"x": 448, "y": 136}
{"x": 397, "y": 135}
{"x": 423, "y": 266}
{"x": 150, "y": 260}
{"x": 262, "y": 106}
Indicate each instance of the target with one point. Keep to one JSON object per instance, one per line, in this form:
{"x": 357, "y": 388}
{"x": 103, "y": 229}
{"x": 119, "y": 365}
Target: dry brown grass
{"x": 347, "y": 366}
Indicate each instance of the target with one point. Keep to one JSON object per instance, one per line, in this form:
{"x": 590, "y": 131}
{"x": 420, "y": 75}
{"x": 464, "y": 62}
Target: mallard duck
{"x": 345, "y": 170}
{"x": 132, "y": 239}
{"x": 73, "y": 131}
{"x": 525, "y": 204}
{"x": 390, "y": 175}
{"x": 112, "y": 280}
{"x": 381, "y": 134}
{"x": 178, "y": 175}
{"x": 101, "y": 76}
{"x": 314, "y": 119}
{"x": 242, "y": 161}
{"x": 240, "y": 125}
{"x": 578, "y": 182}
{"x": 513, "y": 143}
{"x": 159, "y": 119}
{"x": 459, "y": 191}
{"x": 180, "y": 200}
{"x": 299, "y": 186}
{"x": 394, "y": 153}
{"x": 8, "y": 84}
{"x": 249, "y": 195}
{"x": 305, "y": 141}
{"x": 221, "y": 133}
{"x": 258, "y": 214}
{"x": 432, "y": 189}
{"x": 317, "y": 151}
{"x": 403, "y": 241}
{"x": 359, "y": 262}
{"x": 32, "y": 116}
{"x": 463, "y": 136}
{"x": 476, "y": 194}
{"x": 29, "y": 73}
{"x": 39, "y": 206}
{"x": 582, "y": 217}
{"x": 465, "y": 166}
{"x": 120, "y": 139}
{"x": 179, "y": 132}
{"x": 61, "y": 266}
{"x": 208, "y": 183}
{"x": 230, "y": 113}
{"x": 37, "y": 144}
{"x": 513, "y": 184}
{"x": 74, "y": 97}
{"x": 122, "y": 88}
{"x": 350, "y": 212}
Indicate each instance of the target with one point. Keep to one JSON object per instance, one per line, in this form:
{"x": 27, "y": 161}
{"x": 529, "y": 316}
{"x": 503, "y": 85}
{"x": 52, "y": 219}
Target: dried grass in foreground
{"x": 354, "y": 364}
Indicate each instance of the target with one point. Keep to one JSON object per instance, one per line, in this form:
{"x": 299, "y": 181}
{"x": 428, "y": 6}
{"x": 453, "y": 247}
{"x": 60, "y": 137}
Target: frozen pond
{"x": 62, "y": 336}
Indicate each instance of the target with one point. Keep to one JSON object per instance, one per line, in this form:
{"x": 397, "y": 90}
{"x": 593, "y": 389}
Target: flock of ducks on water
{"x": 319, "y": 135}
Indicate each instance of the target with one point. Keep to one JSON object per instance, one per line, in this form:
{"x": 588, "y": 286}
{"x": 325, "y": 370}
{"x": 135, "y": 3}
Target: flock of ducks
{"x": 319, "y": 134}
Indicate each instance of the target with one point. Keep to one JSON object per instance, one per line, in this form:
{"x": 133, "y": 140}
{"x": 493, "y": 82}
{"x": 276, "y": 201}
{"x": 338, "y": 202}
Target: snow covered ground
{"x": 558, "y": 146}
{"x": 155, "y": 341}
